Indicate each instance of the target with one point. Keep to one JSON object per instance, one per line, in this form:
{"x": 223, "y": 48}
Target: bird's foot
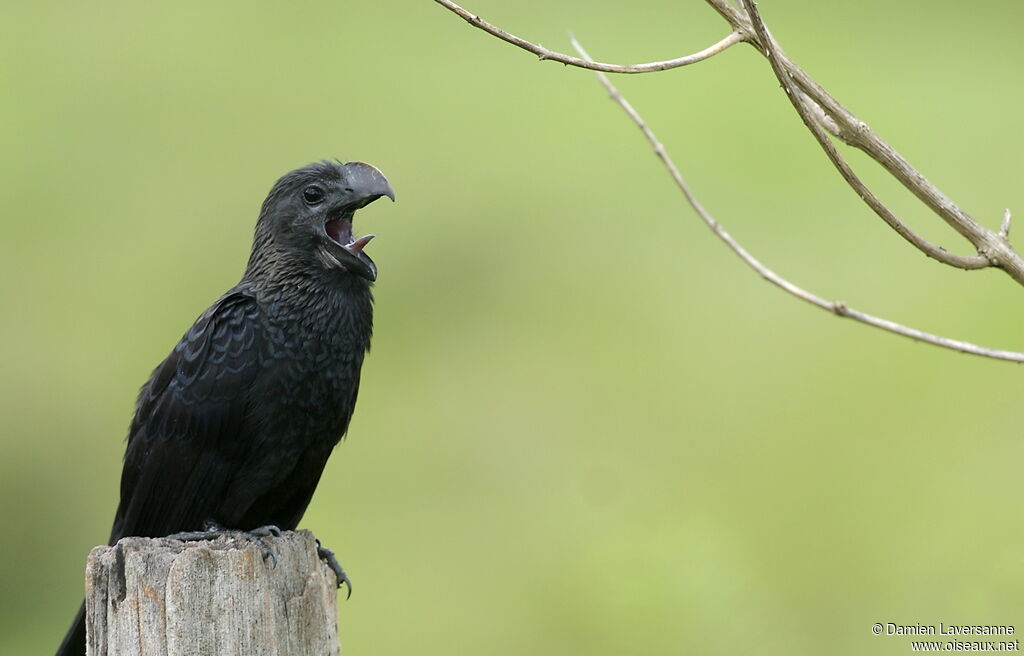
{"x": 328, "y": 557}
{"x": 267, "y": 531}
{"x": 212, "y": 531}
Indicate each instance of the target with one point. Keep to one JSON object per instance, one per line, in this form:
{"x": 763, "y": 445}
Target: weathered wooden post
{"x": 162, "y": 597}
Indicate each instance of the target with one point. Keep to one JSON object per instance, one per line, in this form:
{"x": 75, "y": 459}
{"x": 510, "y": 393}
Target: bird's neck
{"x": 297, "y": 286}
{"x": 297, "y": 283}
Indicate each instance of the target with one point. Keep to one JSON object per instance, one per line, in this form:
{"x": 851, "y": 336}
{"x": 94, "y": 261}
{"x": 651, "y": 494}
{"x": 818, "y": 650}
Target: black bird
{"x": 235, "y": 426}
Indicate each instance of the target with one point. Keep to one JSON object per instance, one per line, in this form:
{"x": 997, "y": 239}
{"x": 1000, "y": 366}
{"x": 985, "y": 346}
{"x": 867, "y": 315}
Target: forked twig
{"x": 543, "y": 53}
{"x": 837, "y": 307}
{"x": 819, "y": 110}
{"x": 813, "y": 102}
{"x": 821, "y": 113}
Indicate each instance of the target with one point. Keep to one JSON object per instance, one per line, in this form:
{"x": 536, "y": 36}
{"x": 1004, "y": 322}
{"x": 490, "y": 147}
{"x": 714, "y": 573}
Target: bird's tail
{"x": 74, "y": 641}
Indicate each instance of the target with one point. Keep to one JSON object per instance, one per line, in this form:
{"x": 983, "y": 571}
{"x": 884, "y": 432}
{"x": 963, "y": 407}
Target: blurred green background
{"x": 585, "y": 427}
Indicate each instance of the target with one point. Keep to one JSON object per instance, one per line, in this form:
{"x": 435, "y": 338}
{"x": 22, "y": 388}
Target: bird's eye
{"x": 312, "y": 195}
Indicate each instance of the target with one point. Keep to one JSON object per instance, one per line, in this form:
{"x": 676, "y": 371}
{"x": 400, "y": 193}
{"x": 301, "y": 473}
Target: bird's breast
{"x": 312, "y": 357}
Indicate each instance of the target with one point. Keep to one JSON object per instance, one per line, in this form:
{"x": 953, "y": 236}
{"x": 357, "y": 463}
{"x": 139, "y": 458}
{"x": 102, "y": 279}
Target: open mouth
{"x": 339, "y": 231}
{"x": 363, "y": 185}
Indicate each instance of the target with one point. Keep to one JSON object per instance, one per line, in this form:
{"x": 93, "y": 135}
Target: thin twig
{"x": 734, "y": 17}
{"x": 990, "y": 245}
{"x": 813, "y": 123}
{"x": 817, "y": 108}
{"x": 837, "y": 307}
{"x": 543, "y": 53}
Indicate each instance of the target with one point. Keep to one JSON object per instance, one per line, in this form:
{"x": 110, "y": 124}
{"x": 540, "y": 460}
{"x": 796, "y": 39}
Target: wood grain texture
{"x": 162, "y": 597}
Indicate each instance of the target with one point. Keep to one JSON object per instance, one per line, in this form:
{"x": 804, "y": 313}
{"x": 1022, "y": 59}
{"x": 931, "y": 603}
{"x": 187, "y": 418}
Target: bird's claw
{"x": 267, "y": 531}
{"x": 264, "y": 547}
{"x": 257, "y": 534}
{"x": 331, "y": 560}
{"x": 213, "y": 530}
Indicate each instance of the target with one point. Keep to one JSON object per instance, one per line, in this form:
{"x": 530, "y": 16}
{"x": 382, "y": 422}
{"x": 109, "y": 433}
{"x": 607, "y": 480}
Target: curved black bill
{"x": 363, "y": 184}
{"x": 366, "y": 184}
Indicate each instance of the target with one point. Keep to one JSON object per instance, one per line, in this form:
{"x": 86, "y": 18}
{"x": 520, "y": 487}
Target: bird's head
{"x": 308, "y": 213}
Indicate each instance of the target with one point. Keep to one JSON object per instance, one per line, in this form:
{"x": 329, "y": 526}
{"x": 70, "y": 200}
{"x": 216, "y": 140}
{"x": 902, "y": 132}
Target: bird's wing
{"x": 193, "y": 419}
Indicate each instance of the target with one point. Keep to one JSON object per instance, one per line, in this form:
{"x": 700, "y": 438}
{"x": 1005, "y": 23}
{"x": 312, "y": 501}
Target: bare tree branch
{"x": 811, "y": 118}
{"x": 837, "y": 307}
{"x": 818, "y": 109}
{"x": 992, "y": 246}
{"x": 543, "y": 53}
{"x": 820, "y": 113}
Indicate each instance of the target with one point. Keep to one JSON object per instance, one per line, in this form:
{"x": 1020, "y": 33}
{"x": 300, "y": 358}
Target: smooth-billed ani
{"x": 236, "y": 425}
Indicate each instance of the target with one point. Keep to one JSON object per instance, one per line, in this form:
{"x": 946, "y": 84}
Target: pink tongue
{"x": 339, "y": 229}
{"x": 357, "y": 246}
